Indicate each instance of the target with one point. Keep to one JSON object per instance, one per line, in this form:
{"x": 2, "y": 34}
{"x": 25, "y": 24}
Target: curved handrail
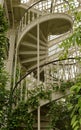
{"x": 54, "y": 7}
{"x": 32, "y": 70}
{"x": 39, "y": 2}
{"x": 48, "y": 9}
{"x": 22, "y": 22}
{"x": 34, "y": 4}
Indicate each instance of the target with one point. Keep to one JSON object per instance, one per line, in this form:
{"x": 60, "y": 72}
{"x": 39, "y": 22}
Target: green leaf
{"x": 75, "y": 124}
{"x": 80, "y": 121}
{"x": 75, "y": 88}
{"x": 73, "y": 119}
{"x": 70, "y": 106}
{"x": 76, "y": 128}
{"x": 73, "y": 112}
{"x": 79, "y": 102}
{"x": 80, "y": 111}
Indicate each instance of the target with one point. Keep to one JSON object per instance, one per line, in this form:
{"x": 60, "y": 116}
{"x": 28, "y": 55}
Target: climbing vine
{"x": 4, "y": 94}
{"x": 64, "y": 115}
{"x": 74, "y": 105}
{"x": 21, "y": 118}
{"x": 59, "y": 115}
{"x": 74, "y": 40}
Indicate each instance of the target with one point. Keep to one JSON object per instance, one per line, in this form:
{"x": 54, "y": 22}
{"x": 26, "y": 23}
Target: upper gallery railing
{"x": 41, "y": 8}
{"x": 44, "y": 7}
{"x": 65, "y": 69}
{"x": 55, "y": 73}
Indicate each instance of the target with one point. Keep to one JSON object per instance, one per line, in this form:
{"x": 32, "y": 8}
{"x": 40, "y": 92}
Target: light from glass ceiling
{"x": 24, "y": 1}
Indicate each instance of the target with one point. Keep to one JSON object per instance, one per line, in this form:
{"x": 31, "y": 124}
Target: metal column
{"x": 38, "y": 73}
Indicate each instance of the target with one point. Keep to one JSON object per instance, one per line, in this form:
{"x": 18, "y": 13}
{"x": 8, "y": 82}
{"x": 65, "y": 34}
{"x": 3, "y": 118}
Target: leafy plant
{"x": 75, "y": 104}
{"x": 4, "y": 94}
{"x": 59, "y": 116}
{"x": 21, "y": 118}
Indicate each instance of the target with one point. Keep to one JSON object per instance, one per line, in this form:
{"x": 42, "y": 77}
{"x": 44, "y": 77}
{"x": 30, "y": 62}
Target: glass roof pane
{"x": 24, "y": 1}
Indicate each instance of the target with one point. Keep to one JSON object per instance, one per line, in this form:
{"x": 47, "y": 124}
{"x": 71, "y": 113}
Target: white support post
{"x": 38, "y": 52}
{"x": 38, "y": 73}
{"x": 28, "y": 17}
{"x": 26, "y": 95}
{"x": 15, "y": 66}
{"x": 9, "y": 64}
{"x": 22, "y": 24}
{"x": 25, "y": 19}
{"x": 70, "y": 70}
{"x": 39, "y": 118}
{"x": 58, "y": 73}
{"x": 19, "y": 78}
{"x": 33, "y": 16}
{"x": 22, "y": 89}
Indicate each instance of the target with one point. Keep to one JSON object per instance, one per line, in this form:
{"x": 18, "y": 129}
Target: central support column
{"x": 9, "y": 64}
{"x": 38, "y": 73}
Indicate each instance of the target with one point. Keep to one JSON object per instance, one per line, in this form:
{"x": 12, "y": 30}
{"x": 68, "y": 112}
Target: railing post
{"x": 51, "y": 66}
{"x": 28, "y": 17}
{"x": 25, "y": 19}
{"x": 58, "y": 74}
{"x": 33, "y": 16}
{"x": 51, "y": 9}
{"x": 20, "y": 27}
{"x": 19, "y": 88}
{"x": 26, "y": 95}
{"x": 22, "y": 90}
{"x": 22, "y": 24}
{"x": 38, "y": 52}
{"x": 37, "y": 15}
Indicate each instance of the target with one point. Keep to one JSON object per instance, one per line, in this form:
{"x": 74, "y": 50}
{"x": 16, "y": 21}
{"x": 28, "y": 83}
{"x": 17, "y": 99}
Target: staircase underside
{"x": 51, "y": 24}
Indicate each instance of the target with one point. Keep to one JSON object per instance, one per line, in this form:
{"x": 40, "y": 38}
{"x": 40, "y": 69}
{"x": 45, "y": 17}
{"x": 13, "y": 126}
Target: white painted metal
{"x": 9, "y": 65}
{"x": 28, "y": 44}
{"x": 41, "y": 42}
{"x": 33, "y": 59}
{"x": 38, "y": 71}
{"x": 31, "y": 52}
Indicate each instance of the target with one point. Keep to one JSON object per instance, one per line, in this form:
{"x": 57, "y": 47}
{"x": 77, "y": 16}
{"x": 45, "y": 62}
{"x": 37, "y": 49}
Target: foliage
{"x": 75, "y": 38}
{"x": 59, "y": 112}
{"x": 3, "y": 39}
{"x": 4, "y": 94}
{"x": 59, "y": 115}
{"x": 21, "y": 118}
{"x": 63, "y": 86}
{"x": 74, "y": 41}
{"x": 74, "y": 105}
{"x": 21, "y": 114}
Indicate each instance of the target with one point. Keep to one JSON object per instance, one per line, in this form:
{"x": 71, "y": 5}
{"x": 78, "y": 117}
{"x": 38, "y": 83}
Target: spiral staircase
{"x": 36, "y": 54}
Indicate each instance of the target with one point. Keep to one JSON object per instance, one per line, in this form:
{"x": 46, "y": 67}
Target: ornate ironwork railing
{"x": 52, "y": 74}
{"x": 54, "y": 71}
{"x": 42, "y": 8}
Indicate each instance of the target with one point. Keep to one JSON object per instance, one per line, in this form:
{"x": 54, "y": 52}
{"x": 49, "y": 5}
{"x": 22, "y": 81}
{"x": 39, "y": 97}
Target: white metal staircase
{"x": 38, "y": 23}
{"x": 50, "y": 23}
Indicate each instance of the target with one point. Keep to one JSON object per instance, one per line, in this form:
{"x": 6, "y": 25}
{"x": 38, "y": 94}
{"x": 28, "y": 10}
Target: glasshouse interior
{"x": 40, "y": 64}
